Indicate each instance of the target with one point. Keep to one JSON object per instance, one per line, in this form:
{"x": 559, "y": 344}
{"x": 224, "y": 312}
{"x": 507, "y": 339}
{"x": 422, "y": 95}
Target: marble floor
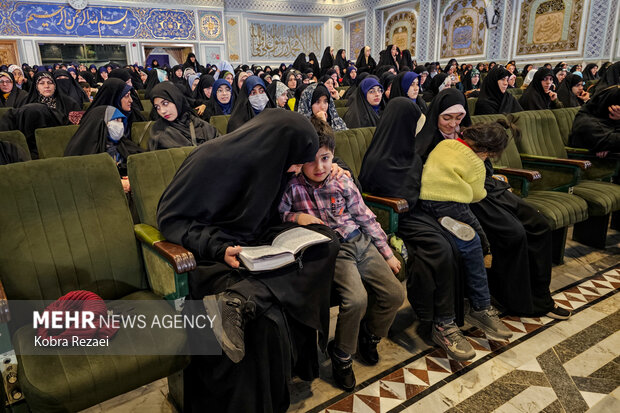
{"x": 548, "y": 366}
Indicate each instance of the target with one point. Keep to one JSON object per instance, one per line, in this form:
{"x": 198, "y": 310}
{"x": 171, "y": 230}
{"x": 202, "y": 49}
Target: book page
{"x": 254, "y": 253}
{"x": 297, "y": 238}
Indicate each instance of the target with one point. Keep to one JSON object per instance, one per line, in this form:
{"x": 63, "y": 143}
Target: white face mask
{"x": 259, "y": 101}
{"x": 116, "y": 130}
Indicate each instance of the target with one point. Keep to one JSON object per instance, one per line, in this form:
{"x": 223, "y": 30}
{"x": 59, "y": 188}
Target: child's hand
{"x": 125, "y": 182}
{"x": 230, "y": 256}
{"x": 307, "y": 219}
{"x": 488, "y": 261}
{"x": 337, "y": 171}
{"x": 394, "y": 264}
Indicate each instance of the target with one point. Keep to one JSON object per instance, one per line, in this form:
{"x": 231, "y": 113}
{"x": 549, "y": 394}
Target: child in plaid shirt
{"x": 365, "y": 263}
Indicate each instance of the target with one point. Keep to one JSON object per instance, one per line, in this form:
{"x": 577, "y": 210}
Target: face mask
{"x": 116, "y": 130}
{"x": 259, "y": 101}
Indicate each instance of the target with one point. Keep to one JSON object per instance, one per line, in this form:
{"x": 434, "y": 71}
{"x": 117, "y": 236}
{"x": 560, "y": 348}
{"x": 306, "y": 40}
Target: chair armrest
{"x": 587, "y": 153}
{"x": 399, "y": 205}
{"x": 178, "y": 257}
{"x": 581, "y": 164}
{"x": 528, "y": 174}
{"x": 5, "y": 313}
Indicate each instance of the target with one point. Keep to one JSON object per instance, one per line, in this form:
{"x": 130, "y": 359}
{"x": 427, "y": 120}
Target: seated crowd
{"x": 465, "y": 236}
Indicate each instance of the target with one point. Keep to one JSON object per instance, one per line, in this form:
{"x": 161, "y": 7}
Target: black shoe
{"x": 228, "y": 326}
{"x": 559, "y": 313}
{"x": 342, "y": 370}
{"x": 367, "y": 346}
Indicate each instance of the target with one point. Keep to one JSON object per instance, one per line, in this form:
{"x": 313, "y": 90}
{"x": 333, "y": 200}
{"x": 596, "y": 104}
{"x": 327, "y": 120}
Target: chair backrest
{"x": 340, "y": 103}
{"x": 66, "y": 226}
{"x": 540, "y": 134}
{"x": 147, "y": 105}
{"x": 16, "y": 137}
{"x": 3, "y": 111}
{"x": 141, "y": 133}
{"x": 471, "y": 105}
{"x": 52, "y": 142}
{"x": 351, "y": 146}
{"x": 510, "y": 157}
{"x": 515, "y": 91}
{"x": 342, "y": 110}
{"x": 220, "y": 122}
{"x": 86, "y": 105}
{"x": 149, "y": 174}
{"x": 141, "y": 93}
{"x": 565, "y": 117}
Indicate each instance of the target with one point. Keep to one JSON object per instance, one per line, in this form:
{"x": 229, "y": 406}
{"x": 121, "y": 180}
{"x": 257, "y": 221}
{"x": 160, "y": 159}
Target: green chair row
{"x": 53, "y": 243}
{"x": 146, "y": 104}
{"x": 17, "y": 138}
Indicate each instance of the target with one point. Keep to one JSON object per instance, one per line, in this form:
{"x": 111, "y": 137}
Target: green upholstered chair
{"x": 52, "y": 142}
{"x": 3, "y": 111}
{"x": 147, "y": 105}
{"x": 351, "y": 146}
{"x": 17, "y": 138}
{"x": 471, "y": 105}
{"x": 141, "y": 93}
{"x": 559, "y": 208}
{"x": 541, "y": 147}
{"x": 66, "y": 226}
{"x": 141, "y": 133}
{"x": 149, "y": 174}
{"x": 518, "y": 82}
{"x": 516, "y": 91}
{"x": 86, "y": 105}
{"x": 602, "y": 169}
{"x": 340, "y": 103}
{"x": 220, "y": 122}
{"x": 342, "y": 110}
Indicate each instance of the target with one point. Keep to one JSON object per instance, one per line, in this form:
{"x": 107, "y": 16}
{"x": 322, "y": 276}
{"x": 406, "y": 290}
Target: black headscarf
{"x": 125, "y": 75}
{"x": 209, "y": 206}
{"x": 88, "y": 78}
{"x": 406, "y": 60}
{"x": 195, "y": 66}
{"x": 387, "y": 59}
{"x": 16, "y": 98}
{"x": 361, "y": 114}
{"x": 491, "y": 99}
{"x": 327, "y": 61}
{"x": 11, "y": 153}
{"x": 364, "y": 65}
{"x": 165, "y": 134}
{"x": 340, "y": 62}
{"x": 110, "y": 94}
{"x": 59, "y": 103}
{"x": 433, "y": 88}
{"x": 610, "y": 77}
{"x": 565, "y": 91}
{"x": 173, "y": 75}
{"x": 93, "y": 137}
{"x": 430, "y": 135}
{"x": 243, "y": 110}
{"x": 592, "y": 127}
{"x": 391, "y": 166}
{"x": 316, "y": 69}
{"x": 300, "y": 62}
{"x": 205, "y": 82}
{"x": 534, "y": 97}
{"x": 69, "y": 86}
{"x": 152, "y": 79}
{"x": 587, "y": 72}
{"x": 398, "y": 91}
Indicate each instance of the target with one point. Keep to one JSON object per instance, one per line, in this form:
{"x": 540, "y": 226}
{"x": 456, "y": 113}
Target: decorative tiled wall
{"x": 357, "y": 37}
{"x": 463, "y": 29}
{"x": 211, "y": 26}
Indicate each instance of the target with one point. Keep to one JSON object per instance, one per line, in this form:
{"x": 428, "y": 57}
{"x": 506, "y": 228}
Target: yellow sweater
{"x": 453, "y": 172}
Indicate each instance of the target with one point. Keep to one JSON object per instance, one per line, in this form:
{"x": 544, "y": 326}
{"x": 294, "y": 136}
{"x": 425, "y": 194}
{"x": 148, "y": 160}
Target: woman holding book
{"x": 226, "y": 194}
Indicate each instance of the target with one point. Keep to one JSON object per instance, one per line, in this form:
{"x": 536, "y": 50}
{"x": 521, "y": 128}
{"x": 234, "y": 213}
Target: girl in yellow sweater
{"x": 452, "y": 178}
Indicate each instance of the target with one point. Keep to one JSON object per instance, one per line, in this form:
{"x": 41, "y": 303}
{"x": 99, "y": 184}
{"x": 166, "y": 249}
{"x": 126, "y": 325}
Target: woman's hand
{"x": 614, "y": 112}
{"x": 307, "y": 219}
{"x": 125, "y": 182}
{"x": 321, "y": 115}
{"x": 552, "y": 95}
{"x": 602, "y": 154}
{"x": 200, "y": 109}
{"x": 337, "y": 171}
{"x": 394, "y": 264}
{"x": 230, "y": 256}
{"x": 335, "y": 95}
{"x": 585, "y": 96}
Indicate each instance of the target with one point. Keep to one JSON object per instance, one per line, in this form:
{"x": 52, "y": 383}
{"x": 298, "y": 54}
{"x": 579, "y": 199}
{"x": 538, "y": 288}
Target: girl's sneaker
{"x": 451, "y": 339}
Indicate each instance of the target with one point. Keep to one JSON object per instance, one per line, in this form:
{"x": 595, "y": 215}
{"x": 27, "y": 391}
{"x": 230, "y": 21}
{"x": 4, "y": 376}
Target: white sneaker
{"x": 459, "y": 229}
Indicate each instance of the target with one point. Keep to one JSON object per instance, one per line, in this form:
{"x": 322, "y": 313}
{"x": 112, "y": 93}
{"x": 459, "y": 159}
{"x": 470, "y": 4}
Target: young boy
{"x": 365, "y": 260}
{"x": 452, "y": 178}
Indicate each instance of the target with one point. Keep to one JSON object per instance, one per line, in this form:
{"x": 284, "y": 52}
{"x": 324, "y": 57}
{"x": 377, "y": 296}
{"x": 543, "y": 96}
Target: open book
{"x": 282, "y": 250}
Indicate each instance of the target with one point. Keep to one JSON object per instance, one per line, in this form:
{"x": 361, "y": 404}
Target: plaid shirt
{"x": 338, "y": 203}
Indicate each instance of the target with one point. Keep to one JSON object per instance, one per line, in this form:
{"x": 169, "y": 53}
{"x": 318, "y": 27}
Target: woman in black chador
{"x": 597, "y": 124}
{"x": 178, "y": 124}
{"x": 115, "y": 92}
{"x": 211, "y": 208}
{"x": 493, "y": 97}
